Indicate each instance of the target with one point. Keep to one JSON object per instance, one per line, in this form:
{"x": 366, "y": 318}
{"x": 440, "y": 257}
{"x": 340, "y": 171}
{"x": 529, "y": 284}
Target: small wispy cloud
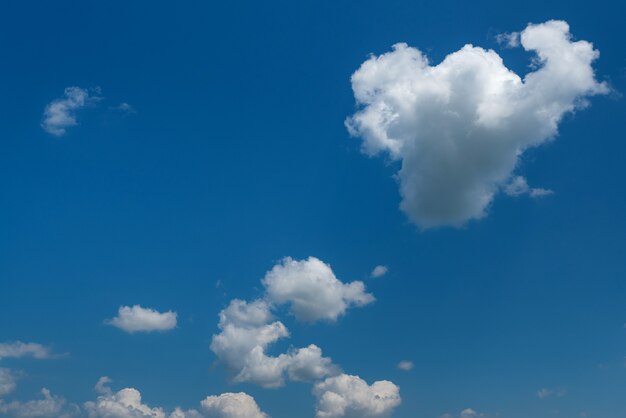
{"x": 405, "y": 365}
{"x": 17, "y": 349}
{"x": 508, "y": 40}
{"x": 379, "y": 271}
{"x": 124, "y": 108}
{"x": 518, "y": 186}
{"x": 60, "y": 114}
{"x": 551, "y": 392}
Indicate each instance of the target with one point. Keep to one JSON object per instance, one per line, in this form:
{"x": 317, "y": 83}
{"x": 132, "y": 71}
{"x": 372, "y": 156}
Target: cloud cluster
{"x": 127, "y": 403}
{"x": 137, "y": 319}
{"x": 50, "y": 406}
{"x": 312, "y": 290}
{"x": 350, "y": 396}
{"x": 247, "y": 329}
{"x": 19, "y": 349}
{"x": 313, "y": 293}
{"x": 458, "y": 128}
{"x": 60, "y": 114}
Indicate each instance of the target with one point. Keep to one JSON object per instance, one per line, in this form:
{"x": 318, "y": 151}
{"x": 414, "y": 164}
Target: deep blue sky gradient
{"x": 237, "y": 156}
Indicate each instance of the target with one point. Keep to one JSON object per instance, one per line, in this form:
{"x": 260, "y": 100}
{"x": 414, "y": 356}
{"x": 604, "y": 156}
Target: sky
{"x": 408, "y": 209}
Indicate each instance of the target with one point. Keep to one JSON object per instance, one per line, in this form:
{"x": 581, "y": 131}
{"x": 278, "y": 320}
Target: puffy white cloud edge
{"x": 350, "y": 396}
{"x": 138, "y": 319}
{"x": 459, "y": 128}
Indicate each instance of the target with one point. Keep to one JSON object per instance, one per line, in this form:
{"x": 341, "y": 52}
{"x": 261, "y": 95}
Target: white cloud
{"x": 312, "y": 290}
{"x": 232, "y": 405}
{"x": 125, "y": 403}
{"x": 466, "y": 413}
{"x": 138, "y": 319}
{"x": 405, "y": 365}
{"x": 379, "y": 271}
{"x": 459, "y": 127}
{"x": 518, "y": 186}
{"x": 60, "y": 114}
{"x": 247, "y": 329}
{"x": 19, "y": 349}
{"x": 7, "y": 381}
{"x": 509, "y": 40}
{"x": 351, "y": 396}
{"x": 551, "y": 392}
{"x": 49, "y": 407}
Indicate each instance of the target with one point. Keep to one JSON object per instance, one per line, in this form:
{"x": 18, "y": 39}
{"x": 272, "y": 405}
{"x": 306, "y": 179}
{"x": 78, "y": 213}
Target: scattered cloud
{"x": 232, "y": 405}
{"x": 551, "y": 393}
{"x": 60, "y": 114}
{"x": 125, "y": 403}
{"x": 379, "y": 271}
{"x": 50, "y": 406}
{"x": 7, "y": 381}
{"x": 405, "y": 365}
{"x": 137, "y": 319}
{"x": 128, "y": 403}
{"x": 351, "y": 396}
{"x": 466, "y": 413}
{"x": 312, "y": 290}
{"x": 458, "y": 128}
{"x": 518, "y": 186}
{"x": 247, "y": 329}
{"x": 509, "y": 40}
{"x": 19, "y": 349}
{"x": 125, "y": 108}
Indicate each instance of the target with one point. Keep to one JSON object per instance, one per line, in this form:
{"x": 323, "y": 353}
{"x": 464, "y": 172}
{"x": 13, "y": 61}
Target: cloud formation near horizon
{"x": 459, "y": 128}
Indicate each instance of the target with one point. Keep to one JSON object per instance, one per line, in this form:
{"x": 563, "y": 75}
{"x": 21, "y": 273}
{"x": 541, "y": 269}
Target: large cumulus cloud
{"x": 458, "y": 128}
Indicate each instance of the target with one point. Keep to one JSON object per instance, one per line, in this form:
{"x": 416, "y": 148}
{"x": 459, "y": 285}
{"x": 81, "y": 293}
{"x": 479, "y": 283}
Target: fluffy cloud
{"x": 138, "y": 319}
{"x": 232, "y": 405}
{"x": 351, "y": 396}
{"x": 518, "y": 186}
{"x": 247, "y": 329}
{"x": 19, "y": 349}
{"x": 7, "y": 381}
{"x": 49, "y": 407}
{"x": 125, "y": 403}
{"x": 312, "y": 290}
{"x": 60, "y": 114}
{"x": 458, "y": 128}
{"x": 379, "y": 271}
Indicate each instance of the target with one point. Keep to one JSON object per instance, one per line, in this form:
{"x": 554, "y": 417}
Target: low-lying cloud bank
{"x": 459, "y": 128}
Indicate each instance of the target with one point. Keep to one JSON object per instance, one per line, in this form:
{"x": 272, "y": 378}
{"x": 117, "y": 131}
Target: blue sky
{"x": 232, "y": 153}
